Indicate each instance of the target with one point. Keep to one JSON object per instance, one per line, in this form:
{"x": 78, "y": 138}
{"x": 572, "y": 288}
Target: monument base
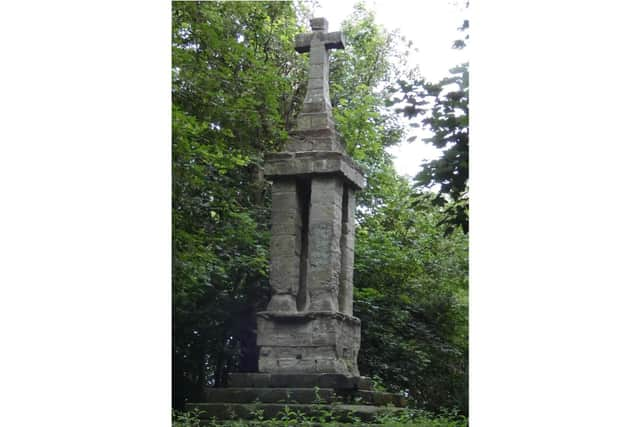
{"x": 314, "y": 395}
{"x": 311, "y": 381}
{"x": 308, "y": 343}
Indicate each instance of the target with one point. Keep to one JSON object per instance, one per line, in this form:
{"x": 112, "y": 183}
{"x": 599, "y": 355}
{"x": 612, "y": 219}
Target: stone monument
{"x": 309, "y": 325}
{"x": 308, "y": 338}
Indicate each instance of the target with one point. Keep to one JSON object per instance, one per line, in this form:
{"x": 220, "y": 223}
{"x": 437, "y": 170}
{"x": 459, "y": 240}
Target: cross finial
{"x": 316, "y": 110}
{"x": 319, "y": 24}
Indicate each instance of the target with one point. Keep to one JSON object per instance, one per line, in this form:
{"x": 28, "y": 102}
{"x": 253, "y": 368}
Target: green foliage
{"x": 422, "y": 418}
{"x": 446, "y": 111}
{"x": 233, "y": 70}
{"x": 411, "y": 293}
{"x": 362, "y": 76}
{"x": 411, "y": 282}
{"x": 443, "y": 108}
{"x": 290, "y": 418}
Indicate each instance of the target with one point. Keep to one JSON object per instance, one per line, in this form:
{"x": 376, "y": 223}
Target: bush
{"x": 290, "y": 418}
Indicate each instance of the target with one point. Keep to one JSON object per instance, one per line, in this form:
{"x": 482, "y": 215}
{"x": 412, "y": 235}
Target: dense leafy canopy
{"x": 237, "y": 86}
{"x": 443, "y": 108}
{"x": 234, "y": 68}
{"x": 411, "y": 295}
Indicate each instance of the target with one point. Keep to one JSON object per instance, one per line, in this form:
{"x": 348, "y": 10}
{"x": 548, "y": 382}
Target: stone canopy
{"x": 307, "y": 163}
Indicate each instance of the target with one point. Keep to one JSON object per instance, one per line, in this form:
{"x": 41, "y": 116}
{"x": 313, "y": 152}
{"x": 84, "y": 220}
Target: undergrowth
{"x": 291, "y": 418}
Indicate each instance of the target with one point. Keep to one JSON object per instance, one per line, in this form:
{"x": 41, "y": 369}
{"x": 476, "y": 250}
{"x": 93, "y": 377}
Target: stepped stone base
{"x": 301, "y": 395}
{"x": 249, "y": 394}
{"x": 335, "y": 381}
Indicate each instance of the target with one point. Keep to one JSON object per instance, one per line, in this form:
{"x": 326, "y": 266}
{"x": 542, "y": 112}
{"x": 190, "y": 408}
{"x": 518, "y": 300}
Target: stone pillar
{"x": 325, "y": 229}
{"x": 347, "y": 244}
{"x": 286, "y": 237}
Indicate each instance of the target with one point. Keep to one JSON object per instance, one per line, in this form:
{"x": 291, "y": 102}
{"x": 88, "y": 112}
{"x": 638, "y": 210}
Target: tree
{"x": 410, "y": 281}
{"x": 444, "y": 109}
{"x": 363, "y": 76}
{"x": 233, "y": 70}
{"x": 411, "y": 295}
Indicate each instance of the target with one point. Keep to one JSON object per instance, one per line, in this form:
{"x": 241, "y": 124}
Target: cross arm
{"x": 333, "y": 40}
{"x": 303, "y": 42}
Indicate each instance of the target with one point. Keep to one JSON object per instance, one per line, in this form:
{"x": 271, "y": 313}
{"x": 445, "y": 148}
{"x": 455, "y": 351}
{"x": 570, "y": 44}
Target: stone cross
{"x": 317, "y": 104}
{"x": 308, "y": 326}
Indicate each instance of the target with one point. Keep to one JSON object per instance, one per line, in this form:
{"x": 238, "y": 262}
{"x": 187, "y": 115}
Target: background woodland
{"x": 237, "y": 85}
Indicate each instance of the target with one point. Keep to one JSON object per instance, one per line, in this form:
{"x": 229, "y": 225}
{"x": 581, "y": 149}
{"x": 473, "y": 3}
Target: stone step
{"x": 269, "y": 395}
{"x": 335, "y": 381}
{"x": 300, "y": 395}
{"x": 247, "y": 411}
{"x": 378, "y": 398}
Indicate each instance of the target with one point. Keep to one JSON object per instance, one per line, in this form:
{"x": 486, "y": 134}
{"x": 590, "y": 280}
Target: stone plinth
{"x": 308, "y": 343}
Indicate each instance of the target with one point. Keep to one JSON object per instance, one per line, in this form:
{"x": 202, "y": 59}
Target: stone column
{"x": 325, "y": 229}
{"x": 347, "y": 243}
{"x": 285, "y": 246}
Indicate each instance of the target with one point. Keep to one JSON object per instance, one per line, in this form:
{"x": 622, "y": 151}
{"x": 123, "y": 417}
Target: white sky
{"x": 432, "y": 26}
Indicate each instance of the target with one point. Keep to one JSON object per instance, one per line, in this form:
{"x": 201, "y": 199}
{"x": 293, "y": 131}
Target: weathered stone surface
{"x": 249, "y": 379}
{"x": 333, "y": 40}
{"x": 271, "y": 395}
{"x": 316, "y": 135}
{"x": 315, "y": 118}
{"x": 286, "y": 241}
{"x": 378, "y": 398}
{"x": 302, "y": 142}
{"x": 333, "y": 381}
{"x": 305, "y": 329}
{"x": 308, "y": 342}
{"x": 347, "y": 252}
{"x": 314, "y": 163}
{"x": 317, "y": 101}
{"x": 301, "y": 395}
{"x": 325, "y": 227}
